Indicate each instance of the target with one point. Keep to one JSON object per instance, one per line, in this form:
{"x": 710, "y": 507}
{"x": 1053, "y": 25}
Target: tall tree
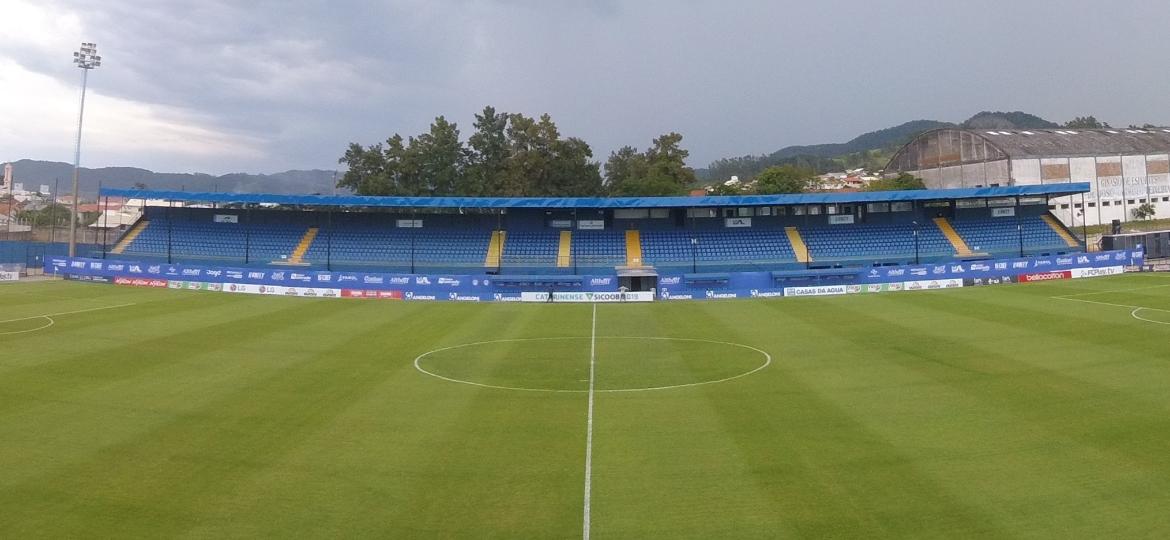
{"x": 488, "y": 160}
{"x": 441, "y": 159}
{"x": 365, "y": 170}
{"x": 661, "y": 170}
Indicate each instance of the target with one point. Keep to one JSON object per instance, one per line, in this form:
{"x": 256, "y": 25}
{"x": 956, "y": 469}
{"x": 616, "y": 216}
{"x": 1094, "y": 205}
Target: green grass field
{"x": 988, "y": 412}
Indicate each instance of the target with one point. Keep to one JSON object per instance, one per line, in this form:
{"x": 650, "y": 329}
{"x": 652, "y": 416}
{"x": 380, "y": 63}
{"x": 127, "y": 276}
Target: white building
{"x": 1125, "y": 167}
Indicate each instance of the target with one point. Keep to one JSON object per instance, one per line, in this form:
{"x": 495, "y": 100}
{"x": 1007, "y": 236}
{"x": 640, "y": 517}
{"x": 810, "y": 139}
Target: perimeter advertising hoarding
{"x": 482, "y": 288}
{"x": 588, "y": 297}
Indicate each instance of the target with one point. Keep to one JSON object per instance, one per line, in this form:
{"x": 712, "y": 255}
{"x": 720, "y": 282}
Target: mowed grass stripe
{"x": 180, "y": 467}
{"x": 1032, "y": 414}
{"x": 664, "y": 460}
{"x": 779, "y": 425}
{"x": 508, "y": 458}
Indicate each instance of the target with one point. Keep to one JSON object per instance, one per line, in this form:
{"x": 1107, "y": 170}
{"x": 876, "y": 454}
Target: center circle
{"x": 620, "y": 364}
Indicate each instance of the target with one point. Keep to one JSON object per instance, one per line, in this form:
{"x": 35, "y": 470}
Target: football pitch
{"x": 1036, "y": 410}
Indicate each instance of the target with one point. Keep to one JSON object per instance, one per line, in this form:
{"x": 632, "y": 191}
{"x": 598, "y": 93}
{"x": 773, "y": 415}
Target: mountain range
{"x": 33, "y": 174}
{"x": 832, "y": 157}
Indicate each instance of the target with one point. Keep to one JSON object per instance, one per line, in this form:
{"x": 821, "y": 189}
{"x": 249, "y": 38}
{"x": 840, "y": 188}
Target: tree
{"x": 572, "y": 172}
{"x": 784, "y": 179}
{"x": 898, "y": 183}
{"x": 661, "y": 170}
{"x": 508, "y": 155}
{"x": 366, "y": 170}
{"x": 488, "y": 157}
{"x": 1144, "y": 211}
{"x": 441, "y": 160}
{"x": 1085, "y": 122}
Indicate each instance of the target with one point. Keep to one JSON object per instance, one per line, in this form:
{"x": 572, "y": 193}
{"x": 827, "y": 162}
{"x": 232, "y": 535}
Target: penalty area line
{"x": 46, "y": 315}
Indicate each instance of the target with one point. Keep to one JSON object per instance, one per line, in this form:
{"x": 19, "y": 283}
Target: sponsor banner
{"x": 226, "y": 218}
{"x": 985, "y": 281}
{"x": 409, "y": 224}
{"x": 91, "y": 279}
{"x": 1045, "y": 276}
{"x": 932, "y": 284}
{"x": 1078, "y": 273}
{"x": 591, "y": 224}
{"x": 311, "y": 283}
{"x": 382, "y": 295}
{"x": 737, "y": 222}
{"x": 1003, "y": 212}
{"x": 141, "y": 282}
{"x": 824, "y": 290}
{"x": 9, "y": 276}
{"x": 195, "y": 285}
{"x": 588, "y": 297}
{"x": 875, "y": 288}
{"x": 844, "y": 219}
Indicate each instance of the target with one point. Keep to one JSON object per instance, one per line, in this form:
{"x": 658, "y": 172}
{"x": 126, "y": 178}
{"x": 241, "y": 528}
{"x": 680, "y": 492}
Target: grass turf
{"x": 990, "y": 412}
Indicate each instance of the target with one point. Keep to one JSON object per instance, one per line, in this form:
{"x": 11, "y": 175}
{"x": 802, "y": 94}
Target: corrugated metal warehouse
{"x": 1126, "y": 167}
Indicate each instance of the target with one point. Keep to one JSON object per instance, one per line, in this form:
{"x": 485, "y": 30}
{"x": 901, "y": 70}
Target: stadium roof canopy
{"x": 1041, "y": 143}
{"x": 1051, "y": 190}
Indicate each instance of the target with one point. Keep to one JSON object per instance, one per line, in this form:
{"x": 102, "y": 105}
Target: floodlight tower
{"x": 86, "y": 58}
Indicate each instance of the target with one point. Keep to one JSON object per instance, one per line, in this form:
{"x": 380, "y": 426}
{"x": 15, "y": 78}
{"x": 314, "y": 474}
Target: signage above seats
{"x": 1054, "y": 190}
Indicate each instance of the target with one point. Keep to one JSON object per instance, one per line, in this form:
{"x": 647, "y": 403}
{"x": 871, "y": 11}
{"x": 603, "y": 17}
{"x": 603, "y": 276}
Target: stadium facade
{"x": 595, "y": 249}
{"x": 1125, "y": 168}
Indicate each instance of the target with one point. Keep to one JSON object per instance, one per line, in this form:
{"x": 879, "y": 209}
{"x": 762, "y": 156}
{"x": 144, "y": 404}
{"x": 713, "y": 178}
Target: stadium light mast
{"x": 86, "y": 58}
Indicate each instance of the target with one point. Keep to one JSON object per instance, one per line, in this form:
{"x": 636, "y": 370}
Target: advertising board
{"x": 827, "y": 290}
{"x": 1045, "y": 276}
{"x": 933, "y": 284}
{"x": 1079, "y": 273}
{"x": 588, "y": 297}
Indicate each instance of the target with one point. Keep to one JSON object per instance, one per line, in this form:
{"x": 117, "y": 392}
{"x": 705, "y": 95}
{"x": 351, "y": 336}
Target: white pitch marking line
{"x": 589, "y": 426}
{"x": 46, "y": 317}
{"x": 1110, "y": 304}
{"x": 1070, "y": 296}
{"x": 67, "y": 313}
{"x": 1135, "y": 315}
{"x": 418, "y": 365}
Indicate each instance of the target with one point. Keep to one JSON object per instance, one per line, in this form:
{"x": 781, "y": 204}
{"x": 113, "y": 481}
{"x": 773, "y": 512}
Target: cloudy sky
{"x": 265, "y": 86}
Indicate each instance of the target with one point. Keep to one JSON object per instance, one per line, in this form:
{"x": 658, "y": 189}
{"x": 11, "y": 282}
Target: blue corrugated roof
{"x": 597, "y": 202}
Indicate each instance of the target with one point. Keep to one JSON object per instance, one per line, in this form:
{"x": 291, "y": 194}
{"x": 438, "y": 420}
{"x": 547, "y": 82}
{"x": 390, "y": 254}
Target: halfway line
{"x": 589, "y": 426}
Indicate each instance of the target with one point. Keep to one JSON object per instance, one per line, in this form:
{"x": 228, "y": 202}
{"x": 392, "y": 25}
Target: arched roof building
{"x": 1126, "y": 167}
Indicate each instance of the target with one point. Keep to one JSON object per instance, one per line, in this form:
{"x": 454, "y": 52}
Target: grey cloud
{"x": 734, "y": 77}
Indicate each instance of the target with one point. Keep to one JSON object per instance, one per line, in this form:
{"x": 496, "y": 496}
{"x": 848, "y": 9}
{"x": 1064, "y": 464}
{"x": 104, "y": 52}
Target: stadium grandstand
{"x": 640, "y": 236}
{"x": 1124, "y": 168}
